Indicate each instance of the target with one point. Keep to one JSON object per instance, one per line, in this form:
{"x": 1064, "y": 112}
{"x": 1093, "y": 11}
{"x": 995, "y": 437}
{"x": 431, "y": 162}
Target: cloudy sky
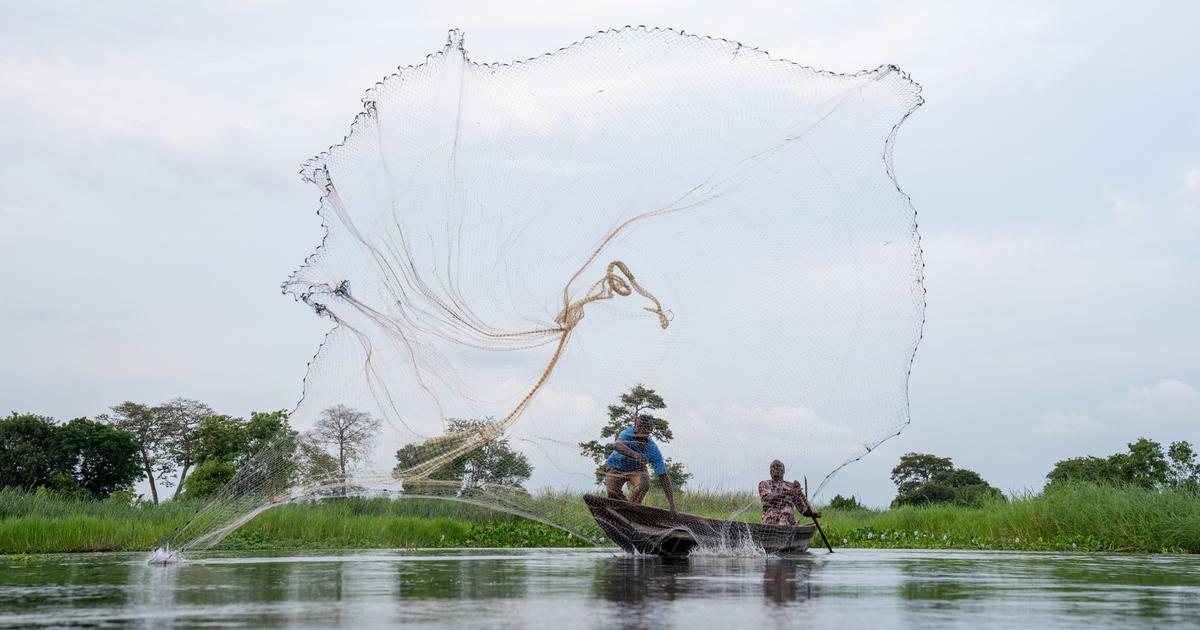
{"x": 150, "y": 207}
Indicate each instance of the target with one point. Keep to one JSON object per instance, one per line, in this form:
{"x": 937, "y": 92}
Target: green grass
{"x": 1077, "y": 517}
{"x": 45, "y": 523}
{"x": 1080, "y": 517}
{"x": 380, "y": 523}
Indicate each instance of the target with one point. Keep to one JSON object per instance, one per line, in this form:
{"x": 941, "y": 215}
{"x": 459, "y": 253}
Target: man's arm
{"x": 802, "y": 503}
{"x": 621, "y": 447}
{"x": 655, "y": 459}
{"x": 665, "y": 482}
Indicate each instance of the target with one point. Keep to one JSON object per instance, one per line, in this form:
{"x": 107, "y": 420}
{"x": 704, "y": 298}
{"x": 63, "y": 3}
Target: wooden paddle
{"x": 814, "y": 518}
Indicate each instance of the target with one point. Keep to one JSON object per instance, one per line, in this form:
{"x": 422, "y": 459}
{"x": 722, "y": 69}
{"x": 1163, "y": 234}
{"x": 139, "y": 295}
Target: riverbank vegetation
{"x": 1068, "y": 516}
{"x": 68, "y": 487}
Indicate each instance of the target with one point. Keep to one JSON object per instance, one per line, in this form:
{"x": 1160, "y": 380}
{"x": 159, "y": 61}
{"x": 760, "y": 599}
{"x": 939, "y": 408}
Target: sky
{"x": 150, "y": 205}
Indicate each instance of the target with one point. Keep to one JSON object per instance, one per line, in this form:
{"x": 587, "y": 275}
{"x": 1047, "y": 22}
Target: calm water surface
{"x": 599, "y": 588}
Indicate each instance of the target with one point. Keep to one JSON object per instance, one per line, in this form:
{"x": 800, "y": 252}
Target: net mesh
{"x": 509, "y": 248}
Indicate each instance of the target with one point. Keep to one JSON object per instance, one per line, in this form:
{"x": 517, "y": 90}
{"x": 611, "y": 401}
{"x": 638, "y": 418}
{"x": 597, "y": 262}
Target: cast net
{"x": 510, "y": 248}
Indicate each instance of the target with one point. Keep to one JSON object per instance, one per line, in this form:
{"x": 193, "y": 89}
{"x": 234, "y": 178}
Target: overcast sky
{"x": 150, "y": 207}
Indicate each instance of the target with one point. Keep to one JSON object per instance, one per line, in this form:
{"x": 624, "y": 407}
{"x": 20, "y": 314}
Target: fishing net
{"x": 509, "y": 248}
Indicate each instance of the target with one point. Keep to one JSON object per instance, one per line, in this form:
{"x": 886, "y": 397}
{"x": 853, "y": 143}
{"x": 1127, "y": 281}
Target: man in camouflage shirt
{"x": 781, "y": 499}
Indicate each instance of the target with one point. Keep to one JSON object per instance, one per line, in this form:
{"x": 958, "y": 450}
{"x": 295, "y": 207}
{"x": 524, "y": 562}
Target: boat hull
{"x": 644, "y": 529}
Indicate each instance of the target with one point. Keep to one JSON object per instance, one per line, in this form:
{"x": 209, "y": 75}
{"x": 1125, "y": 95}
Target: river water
{"x": 603, "y": 589}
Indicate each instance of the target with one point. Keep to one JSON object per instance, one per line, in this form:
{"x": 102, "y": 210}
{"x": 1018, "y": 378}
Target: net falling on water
{"x": 510, "y": 247}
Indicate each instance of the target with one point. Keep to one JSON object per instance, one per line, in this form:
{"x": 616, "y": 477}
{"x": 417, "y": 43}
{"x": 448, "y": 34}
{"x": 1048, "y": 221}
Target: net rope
{"x": 755, "y": 195}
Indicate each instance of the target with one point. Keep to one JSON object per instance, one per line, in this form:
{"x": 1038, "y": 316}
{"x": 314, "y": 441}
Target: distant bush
{"x": 839, "y": 502}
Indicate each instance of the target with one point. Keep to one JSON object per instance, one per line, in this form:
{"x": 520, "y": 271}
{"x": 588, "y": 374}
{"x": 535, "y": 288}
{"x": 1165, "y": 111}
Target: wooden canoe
{"x": 650, "y": 530}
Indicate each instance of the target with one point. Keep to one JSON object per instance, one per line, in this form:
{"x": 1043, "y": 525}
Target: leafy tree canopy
{"x": 1144, "y": 464}
{"x": 209, "y": 477}
{"x": 103, "y": 460}
{"x": 915, "y": 469}
{"x": 225, "y": 444}
{"x": 30, "y": 451}
{"x": 81, "y": 456}
{"x": 922, "y": 478}
{"x": 221, "y": 438}
{"x": 493, "y": 463}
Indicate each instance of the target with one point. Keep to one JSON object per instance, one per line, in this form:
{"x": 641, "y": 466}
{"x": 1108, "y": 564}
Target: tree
{"x": 151, "y": 438}
{"x": 273, "y": 455}
{"x": 1089, "y": 468}
{"x": 1184, "y": 469}
{"x": 179, "y": 420}
{"x": 495, "y": 462}
{"x": 928, "y": 492}
{"x": 638, "y": 401}
{"x": 922, "y": 478}
{"x": 348, "y": 431}
{"x": 224, "y": 445}
{"x": 219, "y": 445}
{"x": 209, "y": 477}
{"x": 915, "y": 469}
{"x": 263, "y": 427}
{"x": 80, "y": 457}
{"x": 221, "y": 438}
{"x": 102, "y": 460}
{"x": 1143, "y": 465}
{"x": 31, "y": 452}
{"x": 312, "y": 463}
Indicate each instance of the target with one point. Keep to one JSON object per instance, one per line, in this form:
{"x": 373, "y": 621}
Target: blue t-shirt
{"x": 617, "y": 461}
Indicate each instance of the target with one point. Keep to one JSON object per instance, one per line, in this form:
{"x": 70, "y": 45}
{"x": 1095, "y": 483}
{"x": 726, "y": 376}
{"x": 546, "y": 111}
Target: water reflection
{"x": 471, "y": 579}
{"x": 30, "y": 585}
{"x": 641, "y": 580}
{"x": 787, "y": 580}
{"x": 1130, "y": 588}
{"x": 602, "y": 589}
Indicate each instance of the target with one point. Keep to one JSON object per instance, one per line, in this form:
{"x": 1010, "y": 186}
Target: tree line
{"x": 181, "y": 443}
{"x": 922, "y": 478}
{"x": 184, "y": 443}
{"x": 1145, "y": 464}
